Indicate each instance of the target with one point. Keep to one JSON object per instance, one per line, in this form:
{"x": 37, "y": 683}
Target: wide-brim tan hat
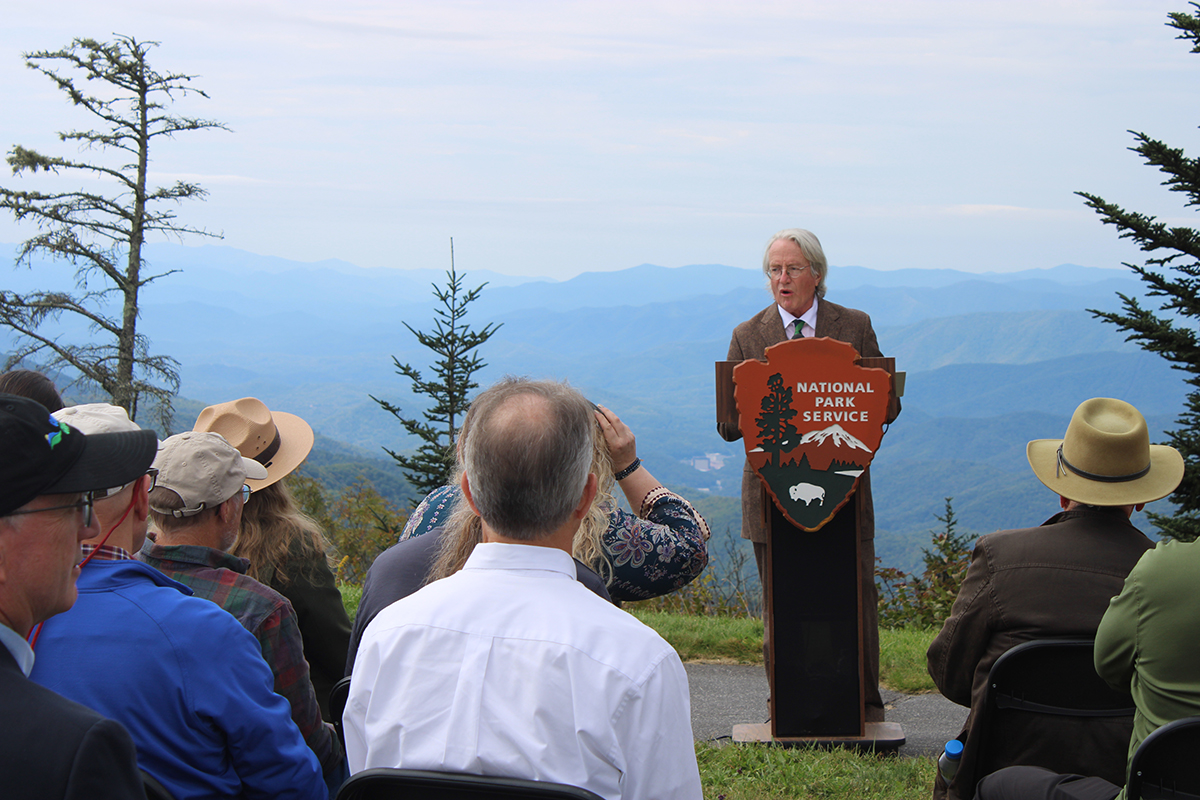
{"x": 277, "y": 440}
{"x": 1106, "y": 458}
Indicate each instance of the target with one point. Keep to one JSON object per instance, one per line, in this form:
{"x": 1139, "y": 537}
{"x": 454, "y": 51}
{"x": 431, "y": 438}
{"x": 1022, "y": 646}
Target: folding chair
{"x": 337, "y": 704}
{"x": 1036, "y": 694}
{"x": 414, "y": 784}
{"x": 1165, "y": 765}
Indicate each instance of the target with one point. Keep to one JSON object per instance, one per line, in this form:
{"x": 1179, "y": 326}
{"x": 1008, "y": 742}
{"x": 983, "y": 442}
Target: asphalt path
{"x": 724, "y": 695}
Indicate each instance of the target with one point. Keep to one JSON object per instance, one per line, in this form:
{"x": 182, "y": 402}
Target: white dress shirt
{"x": 22, "y": 653}
{"x": 512, "y": 667}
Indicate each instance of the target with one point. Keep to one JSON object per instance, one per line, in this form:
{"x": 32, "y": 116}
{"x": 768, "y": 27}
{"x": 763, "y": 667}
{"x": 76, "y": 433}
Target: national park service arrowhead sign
{"x": 812, "y": 420}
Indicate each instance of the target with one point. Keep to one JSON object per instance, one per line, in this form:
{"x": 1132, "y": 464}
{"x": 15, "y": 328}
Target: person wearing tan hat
{"x": 285, "y": 547}
{"x": 197, "y": 508}
{"x": 203, "y": 727}
{"x": 1055, "y": 580}
{"x": 1148, "y": 644}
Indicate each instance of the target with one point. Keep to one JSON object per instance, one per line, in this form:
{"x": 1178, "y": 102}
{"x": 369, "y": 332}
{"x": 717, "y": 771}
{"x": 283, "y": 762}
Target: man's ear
{"x": 465, "y": 485}
{"x": 226, "y": 510}
{"x": 141, "y": 499}
{"x": 589, "y": 494}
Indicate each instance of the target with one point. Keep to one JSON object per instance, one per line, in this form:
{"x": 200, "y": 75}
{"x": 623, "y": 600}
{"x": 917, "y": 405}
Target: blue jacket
{"x": 186, "y": 679}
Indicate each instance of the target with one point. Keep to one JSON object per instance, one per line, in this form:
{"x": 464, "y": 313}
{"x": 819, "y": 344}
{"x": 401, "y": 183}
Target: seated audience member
{"x": 1149, "y": 645}
{"x": 409, "y": 564}
{"x": 1055, "y": 580}
{"x": 203, "y": 726}
{"x": 510, "y": 666}
{"x": 660, "y": 550}
{"x": 285, "y": 547}
{"x": 52, "y": 747}
{"x": 34, "y": 385}
{"x": 197, "y": 507}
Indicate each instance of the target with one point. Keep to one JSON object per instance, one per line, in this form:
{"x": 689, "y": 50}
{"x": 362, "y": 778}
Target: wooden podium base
{"x": 878, "y": 736}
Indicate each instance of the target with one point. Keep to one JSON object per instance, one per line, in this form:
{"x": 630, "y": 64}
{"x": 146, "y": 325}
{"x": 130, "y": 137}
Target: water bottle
{"x": 948, "y": 761}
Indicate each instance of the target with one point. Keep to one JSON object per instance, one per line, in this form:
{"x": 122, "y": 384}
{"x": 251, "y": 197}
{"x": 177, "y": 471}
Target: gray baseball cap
{"x": 203, "y": 469}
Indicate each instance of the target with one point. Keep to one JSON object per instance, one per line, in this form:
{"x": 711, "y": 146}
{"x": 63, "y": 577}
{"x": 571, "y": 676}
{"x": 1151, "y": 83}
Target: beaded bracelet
{"x": 625, "y": 473}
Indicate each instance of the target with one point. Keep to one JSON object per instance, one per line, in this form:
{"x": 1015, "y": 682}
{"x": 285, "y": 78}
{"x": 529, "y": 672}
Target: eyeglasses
{"x": 85, "y": 504}
{"x": 115, "y": 490}
{"x": 793, "y": 272}
{"x": 246, "y": 492}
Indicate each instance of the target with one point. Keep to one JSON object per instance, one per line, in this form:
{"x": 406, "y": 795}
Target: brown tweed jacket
{"x": 750, "y": 340}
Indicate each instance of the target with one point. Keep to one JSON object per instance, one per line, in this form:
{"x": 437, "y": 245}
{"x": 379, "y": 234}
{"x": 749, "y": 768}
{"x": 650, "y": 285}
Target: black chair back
{"x": 1037, "y": 693}
{"x": 1166, "y": 765}
{"x": 412, "y": 784}
{"x": 337, "y": 704}
{"x": 1055, "y": 676}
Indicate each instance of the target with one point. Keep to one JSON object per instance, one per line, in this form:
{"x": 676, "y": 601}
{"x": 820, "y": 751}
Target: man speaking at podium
{"x": 795, "y": 266}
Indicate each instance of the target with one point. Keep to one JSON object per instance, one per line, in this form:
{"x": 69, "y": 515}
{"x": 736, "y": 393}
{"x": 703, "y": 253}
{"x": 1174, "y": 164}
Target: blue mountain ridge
{"x": 991, "y": 360}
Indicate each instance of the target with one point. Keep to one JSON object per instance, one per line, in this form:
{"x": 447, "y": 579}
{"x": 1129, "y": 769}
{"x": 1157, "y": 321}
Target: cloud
{"x": 207, "y": 179}
{"x": 1002, "y": 211}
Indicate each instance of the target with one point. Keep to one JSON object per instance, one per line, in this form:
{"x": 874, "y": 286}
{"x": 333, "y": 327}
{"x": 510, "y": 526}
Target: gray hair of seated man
{"x": 528, "y": 456}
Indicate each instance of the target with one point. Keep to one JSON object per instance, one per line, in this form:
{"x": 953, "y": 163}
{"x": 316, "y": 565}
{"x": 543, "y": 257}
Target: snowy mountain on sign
{"x": 836, "y": 435}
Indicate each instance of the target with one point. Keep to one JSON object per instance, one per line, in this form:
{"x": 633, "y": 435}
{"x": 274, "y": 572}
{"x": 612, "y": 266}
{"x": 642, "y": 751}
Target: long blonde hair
{"x": 274, "y": 530}
{"x": 464, "y": 528}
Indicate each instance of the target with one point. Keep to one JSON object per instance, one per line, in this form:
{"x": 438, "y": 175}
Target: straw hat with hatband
{"x": 1106, "y": 458}
{"x": 277, "y": 440}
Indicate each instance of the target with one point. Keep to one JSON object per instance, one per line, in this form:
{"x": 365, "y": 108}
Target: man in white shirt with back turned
{"x": 511, "y": 667}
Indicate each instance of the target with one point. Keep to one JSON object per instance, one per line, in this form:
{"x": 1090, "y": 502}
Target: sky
{"x": 554, "y": 138}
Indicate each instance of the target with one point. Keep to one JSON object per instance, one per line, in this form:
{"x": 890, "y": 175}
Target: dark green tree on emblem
{"x": 775, "y": 422}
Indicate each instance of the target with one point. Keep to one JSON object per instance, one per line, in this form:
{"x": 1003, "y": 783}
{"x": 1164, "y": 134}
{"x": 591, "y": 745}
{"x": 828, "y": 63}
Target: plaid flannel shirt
{"x": 218, "y": 576}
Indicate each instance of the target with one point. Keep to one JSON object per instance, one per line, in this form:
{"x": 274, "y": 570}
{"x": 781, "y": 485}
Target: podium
{"x": 812, "y": 416}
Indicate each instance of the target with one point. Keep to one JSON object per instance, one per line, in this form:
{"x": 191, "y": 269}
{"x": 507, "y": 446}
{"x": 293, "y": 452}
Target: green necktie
{"x": 798, "y": 329}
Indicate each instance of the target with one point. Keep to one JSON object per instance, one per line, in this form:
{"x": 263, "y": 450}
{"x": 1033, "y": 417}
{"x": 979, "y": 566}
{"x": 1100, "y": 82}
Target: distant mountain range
{"x": 992, "y": 360}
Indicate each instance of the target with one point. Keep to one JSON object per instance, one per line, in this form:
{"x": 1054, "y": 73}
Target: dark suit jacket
{"x": 52, "y": 747}
{"x": 751, "y": 340}
{"x": 1036, "y": 583}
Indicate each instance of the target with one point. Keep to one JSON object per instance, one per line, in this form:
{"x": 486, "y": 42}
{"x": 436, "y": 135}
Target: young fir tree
{"x": 101, "y": 230}
{"x": 925, "y": 600}
{"x": 454, "y": 343}
{"x": 1172, "y": 332}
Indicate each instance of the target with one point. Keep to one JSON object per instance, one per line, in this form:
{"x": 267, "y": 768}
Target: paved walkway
{"x": 725, "y": 695}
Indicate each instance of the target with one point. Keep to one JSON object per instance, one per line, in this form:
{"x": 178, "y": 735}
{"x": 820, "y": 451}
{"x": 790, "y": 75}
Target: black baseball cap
{"x": 40, "y": 455}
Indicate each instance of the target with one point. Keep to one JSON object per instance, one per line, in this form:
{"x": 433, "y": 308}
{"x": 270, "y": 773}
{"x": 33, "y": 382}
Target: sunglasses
{"x": 85, "y": 504}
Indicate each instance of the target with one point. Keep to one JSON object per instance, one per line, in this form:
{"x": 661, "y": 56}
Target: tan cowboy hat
{"x": 277, "y": 440}
{"x": 1106, "y": 458}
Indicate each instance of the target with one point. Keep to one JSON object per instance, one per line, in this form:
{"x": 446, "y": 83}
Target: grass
{"x": 351, "y": 595}
{"x": 766, "y": 772}
{"x": 724, "y": 640}
{"x": 902, "y": 659}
